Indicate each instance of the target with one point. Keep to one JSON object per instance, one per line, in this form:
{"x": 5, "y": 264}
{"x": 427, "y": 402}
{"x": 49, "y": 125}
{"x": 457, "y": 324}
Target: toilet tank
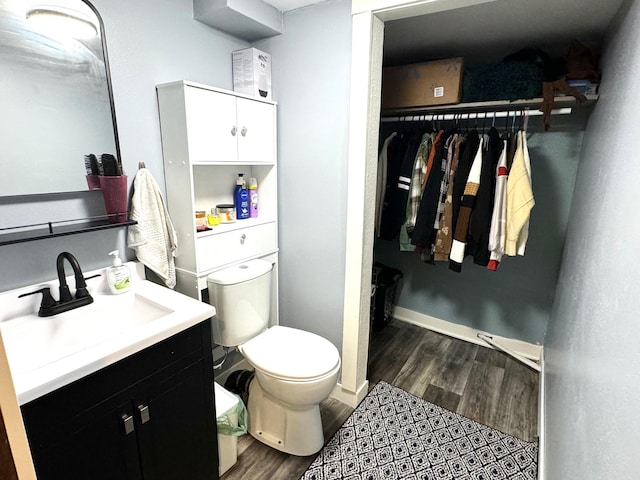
{"x": 242, "y": 297}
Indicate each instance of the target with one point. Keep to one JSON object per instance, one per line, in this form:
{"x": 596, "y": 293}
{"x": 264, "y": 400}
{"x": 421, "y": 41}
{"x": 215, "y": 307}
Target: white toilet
{"x": 294, "y": 370}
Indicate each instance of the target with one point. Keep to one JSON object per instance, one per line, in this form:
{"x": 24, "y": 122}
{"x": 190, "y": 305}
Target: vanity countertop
{"x": 46, "y": 353}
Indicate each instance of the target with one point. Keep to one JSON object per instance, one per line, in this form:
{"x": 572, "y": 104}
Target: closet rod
{"x": 472, "y": 115}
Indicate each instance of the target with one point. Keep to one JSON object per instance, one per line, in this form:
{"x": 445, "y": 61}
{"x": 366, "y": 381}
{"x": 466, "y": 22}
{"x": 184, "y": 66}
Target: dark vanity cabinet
{"x": 149, "y": 416}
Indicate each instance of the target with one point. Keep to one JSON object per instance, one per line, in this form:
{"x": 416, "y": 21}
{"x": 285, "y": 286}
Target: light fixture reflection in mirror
{"x": 61, "y": 21}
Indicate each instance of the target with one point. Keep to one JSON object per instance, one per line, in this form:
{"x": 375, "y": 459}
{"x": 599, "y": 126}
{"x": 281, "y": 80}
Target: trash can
{"x": 386, "y": 283}
{"x": 231, "y": 418}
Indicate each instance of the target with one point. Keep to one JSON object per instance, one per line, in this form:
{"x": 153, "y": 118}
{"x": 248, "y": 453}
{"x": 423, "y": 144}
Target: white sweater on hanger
{"x": 520, "y": 201}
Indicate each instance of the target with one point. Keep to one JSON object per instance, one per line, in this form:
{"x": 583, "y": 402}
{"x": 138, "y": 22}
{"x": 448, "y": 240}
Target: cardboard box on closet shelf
{"x": 252, "y": 72}
{"x": 422, "y": 84}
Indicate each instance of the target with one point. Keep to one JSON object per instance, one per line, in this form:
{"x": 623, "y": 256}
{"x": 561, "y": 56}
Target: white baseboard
{"x": 462, "y": 332}
{"x": 347, "y": 397}
{"x": 541, "y": 426}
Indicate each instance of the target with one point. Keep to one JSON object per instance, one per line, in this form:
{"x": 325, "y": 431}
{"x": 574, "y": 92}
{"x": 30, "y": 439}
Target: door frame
{"x": 367, "y": 38}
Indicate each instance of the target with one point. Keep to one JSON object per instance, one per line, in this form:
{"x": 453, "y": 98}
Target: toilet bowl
{"x": 294, "y": 370}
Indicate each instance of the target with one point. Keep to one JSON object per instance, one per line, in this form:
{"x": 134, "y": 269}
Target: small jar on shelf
{"x": 201, "y": 220}
{"x": 213, "y": 219}
{"x": 226, "y": 212}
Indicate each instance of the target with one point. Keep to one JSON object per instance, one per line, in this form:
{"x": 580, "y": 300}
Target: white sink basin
{"x": 46, "y": 353}
{"x": 32, "y": 342}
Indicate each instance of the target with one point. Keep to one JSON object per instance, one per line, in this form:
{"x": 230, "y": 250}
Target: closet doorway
{"x": 368, "y": 39}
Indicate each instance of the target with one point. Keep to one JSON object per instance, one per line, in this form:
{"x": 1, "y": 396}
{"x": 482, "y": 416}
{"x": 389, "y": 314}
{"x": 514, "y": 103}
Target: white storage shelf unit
{"x": 209, "y": 135}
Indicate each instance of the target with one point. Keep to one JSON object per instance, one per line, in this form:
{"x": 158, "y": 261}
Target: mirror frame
{"x": 44, "y": 228}
{"x": 103, "y": 40}
{"x": 25, "y": 187}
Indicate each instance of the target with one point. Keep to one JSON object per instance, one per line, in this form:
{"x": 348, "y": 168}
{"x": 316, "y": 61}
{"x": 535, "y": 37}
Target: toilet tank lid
{"x": 240, "y": 273}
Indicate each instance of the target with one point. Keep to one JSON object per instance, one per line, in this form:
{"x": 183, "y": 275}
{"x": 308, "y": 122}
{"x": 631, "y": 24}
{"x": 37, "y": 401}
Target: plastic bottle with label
{"x": 118, "y": 275}
{"x": 241, "y": 198}
{"x": 253, "y": 198}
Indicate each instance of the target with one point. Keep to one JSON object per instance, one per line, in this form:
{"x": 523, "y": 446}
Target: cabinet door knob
{"x": 234, "y": 130}
{"x": 144, "y": 413}
{"x": 243, "y": 237}
{"x": 243, "y": 132}
{"x": 127, "y": 421}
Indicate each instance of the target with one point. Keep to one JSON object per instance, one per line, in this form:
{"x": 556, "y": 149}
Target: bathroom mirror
{"x": 55, "y": 94}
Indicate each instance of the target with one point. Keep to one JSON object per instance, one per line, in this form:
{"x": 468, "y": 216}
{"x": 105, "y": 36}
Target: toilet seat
{"x": 291, "y": 354}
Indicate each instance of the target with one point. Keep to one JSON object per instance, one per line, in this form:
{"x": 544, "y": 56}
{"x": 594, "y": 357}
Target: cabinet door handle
{"x": 144, "y": 413}
{"x": 243, "y": 237}
{"x": 234, "y": 130}
{"x": 243, "y": 132}
{"x": 127, "y": 421}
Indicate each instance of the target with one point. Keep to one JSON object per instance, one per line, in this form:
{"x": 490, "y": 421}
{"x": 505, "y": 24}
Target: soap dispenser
{"x": 118, "y": 275}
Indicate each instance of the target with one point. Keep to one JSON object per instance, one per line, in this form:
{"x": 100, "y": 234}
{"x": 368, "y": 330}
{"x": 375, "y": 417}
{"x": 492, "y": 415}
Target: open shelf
{"x": 562, "y": 101}
{"x": 29, "y": 233}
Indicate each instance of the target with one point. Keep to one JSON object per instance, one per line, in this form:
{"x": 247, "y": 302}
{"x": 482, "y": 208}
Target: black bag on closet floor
{"x": 386, "y": 283}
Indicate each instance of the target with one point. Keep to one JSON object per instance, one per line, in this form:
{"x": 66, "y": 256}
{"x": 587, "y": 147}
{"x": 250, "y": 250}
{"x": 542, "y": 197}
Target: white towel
{"x": 153, "y": 238}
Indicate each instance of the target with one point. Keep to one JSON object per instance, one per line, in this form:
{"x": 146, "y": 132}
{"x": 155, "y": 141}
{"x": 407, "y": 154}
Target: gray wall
{"x": 592, "y": 355}
{"x": 311, "y": 64}
{"x": 149, "y": 42}
{"x": 514, "y": 302}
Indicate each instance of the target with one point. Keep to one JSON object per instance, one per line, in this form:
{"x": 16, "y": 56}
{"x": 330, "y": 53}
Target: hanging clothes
{"x": 449, "y": 195}
{"x": 422, "y": 236}
{"x": 524, "y": 233}
{"x": 480, "y": 221}
{"x": 464, "y": 215}
{"x": 444, "y": 186}
{"x": 497, "y": 234}
{"x": 399, "y": 171}
{"x": 415, "y": 192}
{"x": 520, "y": 201}
{"x": 381, "y": 180}
{"x": 462, "y": 174}
{"x": 513, "y": 144}
{"x": 432, "y": 155}
{"x": 444, "y": 237}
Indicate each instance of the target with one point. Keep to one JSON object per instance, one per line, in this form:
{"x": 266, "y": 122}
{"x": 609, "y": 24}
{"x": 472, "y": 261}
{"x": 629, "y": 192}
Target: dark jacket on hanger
{"x": 480, "y": 221}
{"x": 423, "y": 232}
{"x": 461, "y": 233}
{"x": 399, "y": 170}
{"x": 464, "y": 165}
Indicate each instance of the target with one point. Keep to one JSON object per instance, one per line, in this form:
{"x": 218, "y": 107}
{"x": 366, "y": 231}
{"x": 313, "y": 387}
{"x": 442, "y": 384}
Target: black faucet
{"x": 49, "y": 306}
{"x": 81, "y": 285}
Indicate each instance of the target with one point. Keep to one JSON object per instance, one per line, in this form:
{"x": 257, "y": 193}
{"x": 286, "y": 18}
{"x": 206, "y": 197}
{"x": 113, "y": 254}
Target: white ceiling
{"x": 491, "y": 29}
{"x": 499, "y": 28}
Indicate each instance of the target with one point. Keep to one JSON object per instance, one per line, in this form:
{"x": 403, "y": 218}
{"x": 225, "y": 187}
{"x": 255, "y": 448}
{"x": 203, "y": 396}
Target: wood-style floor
{"x": 477, "y": 382}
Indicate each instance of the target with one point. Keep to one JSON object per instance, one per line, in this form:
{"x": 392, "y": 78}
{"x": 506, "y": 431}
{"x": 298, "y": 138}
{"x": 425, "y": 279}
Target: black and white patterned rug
{"x": 395, "y": 435}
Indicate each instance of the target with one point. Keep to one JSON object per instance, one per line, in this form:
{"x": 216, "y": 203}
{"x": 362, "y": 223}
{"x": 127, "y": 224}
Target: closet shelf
{"x": 491, "y": 106}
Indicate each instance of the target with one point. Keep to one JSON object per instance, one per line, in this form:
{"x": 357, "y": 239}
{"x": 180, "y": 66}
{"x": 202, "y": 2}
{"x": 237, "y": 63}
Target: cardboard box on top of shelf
{"x": 252, "y": 72}
{"x": 438, "y": 82}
